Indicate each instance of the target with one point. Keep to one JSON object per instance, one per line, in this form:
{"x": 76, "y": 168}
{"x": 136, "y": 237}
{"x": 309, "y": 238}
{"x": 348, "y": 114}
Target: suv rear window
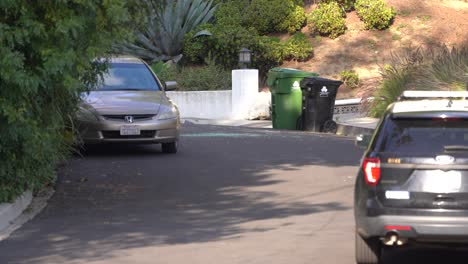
{"x": 410, "y": 136}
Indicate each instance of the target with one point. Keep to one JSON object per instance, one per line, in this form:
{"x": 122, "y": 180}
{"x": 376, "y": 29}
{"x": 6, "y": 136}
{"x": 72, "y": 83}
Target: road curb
{"x": 352, "y": 131}
{"x": 10, "y": 211}
{"x": 342, "y": 129}
{"x": 26, "y": 207}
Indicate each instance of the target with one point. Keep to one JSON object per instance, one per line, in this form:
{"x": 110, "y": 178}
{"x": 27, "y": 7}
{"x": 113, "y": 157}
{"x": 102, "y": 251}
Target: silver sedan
{"x": 129, "y": 105}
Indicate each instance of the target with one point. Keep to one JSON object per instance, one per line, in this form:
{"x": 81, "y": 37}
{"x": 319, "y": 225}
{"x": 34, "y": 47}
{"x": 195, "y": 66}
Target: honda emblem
{"x": 129, "y": 119}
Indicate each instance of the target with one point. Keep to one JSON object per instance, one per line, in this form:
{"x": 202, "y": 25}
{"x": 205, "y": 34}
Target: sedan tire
{"x": 170, "y": 148}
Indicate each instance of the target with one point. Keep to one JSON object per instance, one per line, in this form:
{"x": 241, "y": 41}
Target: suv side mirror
{"x": 363, "y": 141}
{"x": 170, "y": 86}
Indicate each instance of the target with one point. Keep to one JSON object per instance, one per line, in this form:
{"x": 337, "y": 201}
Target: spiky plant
{"x": 166, "y": 25}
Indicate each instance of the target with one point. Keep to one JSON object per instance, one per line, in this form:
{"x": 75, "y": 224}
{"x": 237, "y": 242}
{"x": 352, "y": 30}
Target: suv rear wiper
{"x": 456, "y": 148}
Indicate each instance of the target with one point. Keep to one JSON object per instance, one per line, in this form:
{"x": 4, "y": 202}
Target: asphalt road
{"x": 231, "y": 195}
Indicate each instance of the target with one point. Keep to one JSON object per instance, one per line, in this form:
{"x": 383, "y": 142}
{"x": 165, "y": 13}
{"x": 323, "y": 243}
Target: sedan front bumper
{"x": 151, "y": 131}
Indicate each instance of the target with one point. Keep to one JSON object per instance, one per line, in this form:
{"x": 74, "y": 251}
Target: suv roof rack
{"x": 420, "y": 95}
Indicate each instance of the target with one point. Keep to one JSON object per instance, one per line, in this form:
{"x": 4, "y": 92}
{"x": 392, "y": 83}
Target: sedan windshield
{"x": 128, "y": 76}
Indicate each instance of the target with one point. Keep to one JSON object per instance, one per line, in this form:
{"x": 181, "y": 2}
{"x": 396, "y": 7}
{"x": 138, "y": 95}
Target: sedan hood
{"x": 124, "y": 102}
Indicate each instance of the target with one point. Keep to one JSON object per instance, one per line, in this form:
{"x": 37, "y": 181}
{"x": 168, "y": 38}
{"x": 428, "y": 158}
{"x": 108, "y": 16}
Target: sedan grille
{"x": 122, "y": 117}
{"x": 116, "y": 134}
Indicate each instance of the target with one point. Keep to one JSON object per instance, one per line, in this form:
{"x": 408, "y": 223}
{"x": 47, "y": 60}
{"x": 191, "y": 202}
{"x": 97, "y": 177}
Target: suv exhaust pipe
{"x": 393, "y": 239}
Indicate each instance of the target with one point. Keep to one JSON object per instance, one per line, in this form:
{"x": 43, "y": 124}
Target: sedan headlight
{"x": 168, "y": 113}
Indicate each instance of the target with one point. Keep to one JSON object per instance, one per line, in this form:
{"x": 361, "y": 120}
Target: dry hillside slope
{"x": 418, "y": 22}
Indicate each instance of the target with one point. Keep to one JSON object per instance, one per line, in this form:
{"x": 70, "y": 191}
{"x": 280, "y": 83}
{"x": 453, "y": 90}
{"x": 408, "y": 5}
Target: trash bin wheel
{"x": 330, "y": 127}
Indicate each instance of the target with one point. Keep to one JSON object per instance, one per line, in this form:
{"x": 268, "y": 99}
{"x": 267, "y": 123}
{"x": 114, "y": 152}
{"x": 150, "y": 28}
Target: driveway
{"x": 232, "y": 195}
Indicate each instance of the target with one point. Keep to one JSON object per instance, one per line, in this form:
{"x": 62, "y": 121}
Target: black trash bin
{"x": 318, "y": 104}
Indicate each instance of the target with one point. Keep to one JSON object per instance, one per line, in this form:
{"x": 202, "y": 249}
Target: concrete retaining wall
{"x": 218, "y": 105}
{"x": 203, "y": 104}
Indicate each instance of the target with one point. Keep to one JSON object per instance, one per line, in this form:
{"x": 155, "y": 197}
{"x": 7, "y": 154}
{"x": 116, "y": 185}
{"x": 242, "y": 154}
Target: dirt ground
{"x": 418, "y": 23}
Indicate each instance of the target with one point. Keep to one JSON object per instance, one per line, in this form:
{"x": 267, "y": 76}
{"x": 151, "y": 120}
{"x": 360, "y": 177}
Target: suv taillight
{"x": 371, "y": 167}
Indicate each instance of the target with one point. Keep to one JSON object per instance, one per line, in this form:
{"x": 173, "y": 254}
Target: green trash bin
{"x": 286, "y": 97}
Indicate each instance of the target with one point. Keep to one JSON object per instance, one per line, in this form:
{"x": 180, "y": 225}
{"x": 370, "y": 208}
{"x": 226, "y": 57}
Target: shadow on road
{"x": 121, "y": 197}
{"x": 427, "y": 256}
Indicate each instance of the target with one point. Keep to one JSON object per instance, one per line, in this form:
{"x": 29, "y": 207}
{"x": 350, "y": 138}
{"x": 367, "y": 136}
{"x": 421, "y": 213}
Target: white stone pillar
{"x": 244, "y": 92}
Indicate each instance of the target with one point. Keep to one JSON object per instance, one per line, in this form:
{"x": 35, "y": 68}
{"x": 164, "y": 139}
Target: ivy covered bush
{"x": 46, "y": 54}
{"x": 328, "y": 20}
{"x": 375, "y": 13}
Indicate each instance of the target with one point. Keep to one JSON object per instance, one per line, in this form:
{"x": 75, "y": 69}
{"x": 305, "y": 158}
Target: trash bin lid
{"x": 319, "y": 82}
{"x": 281, "y": 73}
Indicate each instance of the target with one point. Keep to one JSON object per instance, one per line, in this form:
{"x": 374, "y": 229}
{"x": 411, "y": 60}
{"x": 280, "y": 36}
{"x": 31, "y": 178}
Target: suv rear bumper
{"x": 418, "y": 228}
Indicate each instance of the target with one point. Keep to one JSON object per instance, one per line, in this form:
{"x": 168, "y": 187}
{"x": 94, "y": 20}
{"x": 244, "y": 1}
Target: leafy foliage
{"x": 350, "y": 78}
{"x": 298, "y": 47}
{"x": 347, "y": 5}
{"x": 231, "y": 33}
{"x": 328, "y": 19}
{"x": 197, "y": 78}
{"x": 269, "y": 53}
{"x": 269, "y": 16}
{"x": 223, "y": 46}
{"x": 159, "y": 67}
{"x": 232, "y": 13}
{"x": 46, "y": 53}
{"x": 195, "y": 49}
{"x": 295, "y": 20}
{"x": 375, "y": 13}
{"x": 434, "y": 68}
{"x": 167, "y": 25}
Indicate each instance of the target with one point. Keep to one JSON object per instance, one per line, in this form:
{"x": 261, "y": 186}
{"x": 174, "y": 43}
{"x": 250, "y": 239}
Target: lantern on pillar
{"x": 245, "y": 57}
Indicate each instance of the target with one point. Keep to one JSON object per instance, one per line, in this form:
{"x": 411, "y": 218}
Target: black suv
{"x": 412, "y": 187}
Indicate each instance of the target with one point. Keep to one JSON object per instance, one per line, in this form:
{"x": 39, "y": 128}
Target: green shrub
{"x": 46, "y": 54}
{"x": 226, "y": 43}
{"x": 298, "y": 47}
{"x": 350, "y": 78}
{"x": 198, "y": 78}
{"x": 434, "y": 68}
{"x": 328, "y": 19}
{"x": 395, "y": 81}
{"x": 159, "y": 67}
{"x": 375, "y": 14}
{"x": 162, "y": 38}
{"x": 269, "y": 16}
{"x": 269, "y": 53}
{"x": 294, "y": 21}
{"x": 231, "y": 12}
{"x": 195, "y": 48}
{"x": 347, "y": 5}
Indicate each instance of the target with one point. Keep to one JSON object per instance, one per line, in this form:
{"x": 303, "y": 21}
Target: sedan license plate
{"x": 443, "y": 182}
{"x": 129, "y": 131}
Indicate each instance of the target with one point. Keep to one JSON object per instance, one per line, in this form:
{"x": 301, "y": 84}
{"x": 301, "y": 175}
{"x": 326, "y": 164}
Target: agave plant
{"x": 167, "y": 24}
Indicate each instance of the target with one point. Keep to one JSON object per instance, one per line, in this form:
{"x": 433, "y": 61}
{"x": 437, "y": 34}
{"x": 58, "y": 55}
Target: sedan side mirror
{"x": 363, "y": 141}
{"x": 170, "y": 86}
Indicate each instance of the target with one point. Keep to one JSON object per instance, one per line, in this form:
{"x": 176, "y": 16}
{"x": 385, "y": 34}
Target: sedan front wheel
{"x": 169, "y": 147}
